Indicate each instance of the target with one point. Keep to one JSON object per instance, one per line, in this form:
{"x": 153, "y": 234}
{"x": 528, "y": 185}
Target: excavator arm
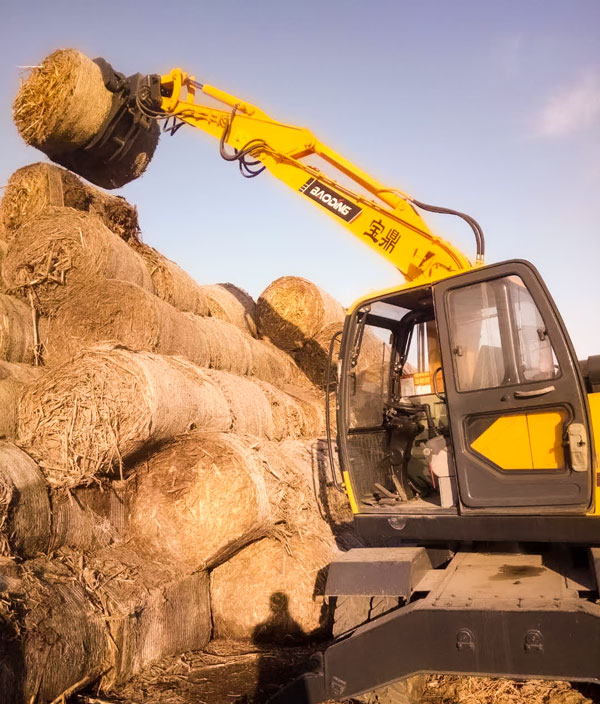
{"x": 383, "y": 218}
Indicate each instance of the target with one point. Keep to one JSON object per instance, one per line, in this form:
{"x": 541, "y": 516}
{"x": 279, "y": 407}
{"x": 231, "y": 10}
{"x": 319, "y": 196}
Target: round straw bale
{"x": 292, "y": 310}
{"x": 200, "y": 499}
{"x": 62, "y": 104}
{"x": 16, "y": 330}
{"x": 37, "y": 186}
{"x": 13, "y": 380}
{"x": 307, "y": 501}
{"x": 59, "y": 109}
{"x": 24, "y": 504}
{"x": 83, "y": 419}
{"x": 63, "y": 249}
{"x": 171, "y": 283}
{"x": 57, "y": 638}
{"x": 271, "y": 591}
{"x": 297, "y": 411}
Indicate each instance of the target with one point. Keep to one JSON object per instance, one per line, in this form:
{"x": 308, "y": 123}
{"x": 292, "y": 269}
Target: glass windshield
{"x": 498, "y": 336}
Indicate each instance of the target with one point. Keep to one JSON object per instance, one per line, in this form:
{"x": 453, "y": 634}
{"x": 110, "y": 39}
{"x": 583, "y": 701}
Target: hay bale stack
{"x": 63, "y": 249}
{"x": 118, "y": 311}
{"x": 35, "y": 187}
{"x": 55, "y": 637}
{"x": 85, "y": 419}
{"x": 291, "y": 311}
{"x": 16, "y": 330}
{"x": 60, "y": 108}
{"x": 24, "y": 504}
{"x": 271, "y": 591}
{"x": 13, "y": 380}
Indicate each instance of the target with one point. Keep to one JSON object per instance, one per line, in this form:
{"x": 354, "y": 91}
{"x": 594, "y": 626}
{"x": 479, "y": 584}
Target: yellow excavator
{"x": 465, "y": 428}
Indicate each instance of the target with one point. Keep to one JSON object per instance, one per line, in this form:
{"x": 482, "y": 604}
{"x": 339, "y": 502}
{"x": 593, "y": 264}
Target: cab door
{"x": 516, "y": 403}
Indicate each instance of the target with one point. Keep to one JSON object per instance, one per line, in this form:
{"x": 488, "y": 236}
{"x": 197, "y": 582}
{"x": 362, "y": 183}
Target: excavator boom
{"x": 382, "y": 217}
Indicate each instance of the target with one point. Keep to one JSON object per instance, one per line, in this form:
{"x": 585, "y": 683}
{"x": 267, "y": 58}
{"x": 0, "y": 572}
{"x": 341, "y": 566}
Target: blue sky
{"x": 492, "y": 108}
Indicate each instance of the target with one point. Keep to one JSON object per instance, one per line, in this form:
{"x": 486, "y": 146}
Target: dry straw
{"x": 89, "y": 518}
{"x": 24, "y": 505}
{"x": 62, "y": 104}
{"x": 292, "y": 310}
{"x": 272, "y": 591}
{"x": 13, "y": 380}
{"x": 117, "y": 311}
{"x": 59, "y": 109}
{"x": 17, "y": 339}
{"x": 37, "y": 186}
{"x": 84, "y": 419}
{"x": 63, "y": 249}
{"x": 449, "y": 689}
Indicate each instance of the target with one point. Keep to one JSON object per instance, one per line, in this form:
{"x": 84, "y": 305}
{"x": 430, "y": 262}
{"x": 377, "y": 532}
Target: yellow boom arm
{"x": 384, "y": 219}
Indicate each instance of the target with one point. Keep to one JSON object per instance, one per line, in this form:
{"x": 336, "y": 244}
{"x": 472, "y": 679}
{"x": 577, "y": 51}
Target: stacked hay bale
{"x": 164, "y": 451}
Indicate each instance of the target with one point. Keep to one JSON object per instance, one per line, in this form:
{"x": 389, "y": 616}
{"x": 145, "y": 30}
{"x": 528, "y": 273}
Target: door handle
{"x": 534, "y": 393}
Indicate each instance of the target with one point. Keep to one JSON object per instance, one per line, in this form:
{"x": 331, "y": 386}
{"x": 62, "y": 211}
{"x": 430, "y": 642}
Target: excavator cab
{"x": 462, "y": 397}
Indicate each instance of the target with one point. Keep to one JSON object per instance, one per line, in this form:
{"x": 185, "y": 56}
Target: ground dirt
{"x": 241, "y": 673}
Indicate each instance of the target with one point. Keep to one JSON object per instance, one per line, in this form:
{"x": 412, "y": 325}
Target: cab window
{"x": 498, "y": 337}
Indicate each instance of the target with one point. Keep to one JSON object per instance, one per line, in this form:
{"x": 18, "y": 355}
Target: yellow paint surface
{"x": 594, "y": 402}
{"x": 545, "y": 433}
{"x": 350, "y": 493}
{"x": 525, "y": 441}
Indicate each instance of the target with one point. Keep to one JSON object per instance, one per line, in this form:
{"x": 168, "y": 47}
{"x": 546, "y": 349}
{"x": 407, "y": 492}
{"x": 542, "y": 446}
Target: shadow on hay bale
{"x": 61, "y": 107}
{"x": 242, "y": 590}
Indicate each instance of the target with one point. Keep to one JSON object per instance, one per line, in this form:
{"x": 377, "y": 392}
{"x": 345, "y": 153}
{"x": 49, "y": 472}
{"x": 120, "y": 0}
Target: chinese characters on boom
{"x": 376, "y": 232}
